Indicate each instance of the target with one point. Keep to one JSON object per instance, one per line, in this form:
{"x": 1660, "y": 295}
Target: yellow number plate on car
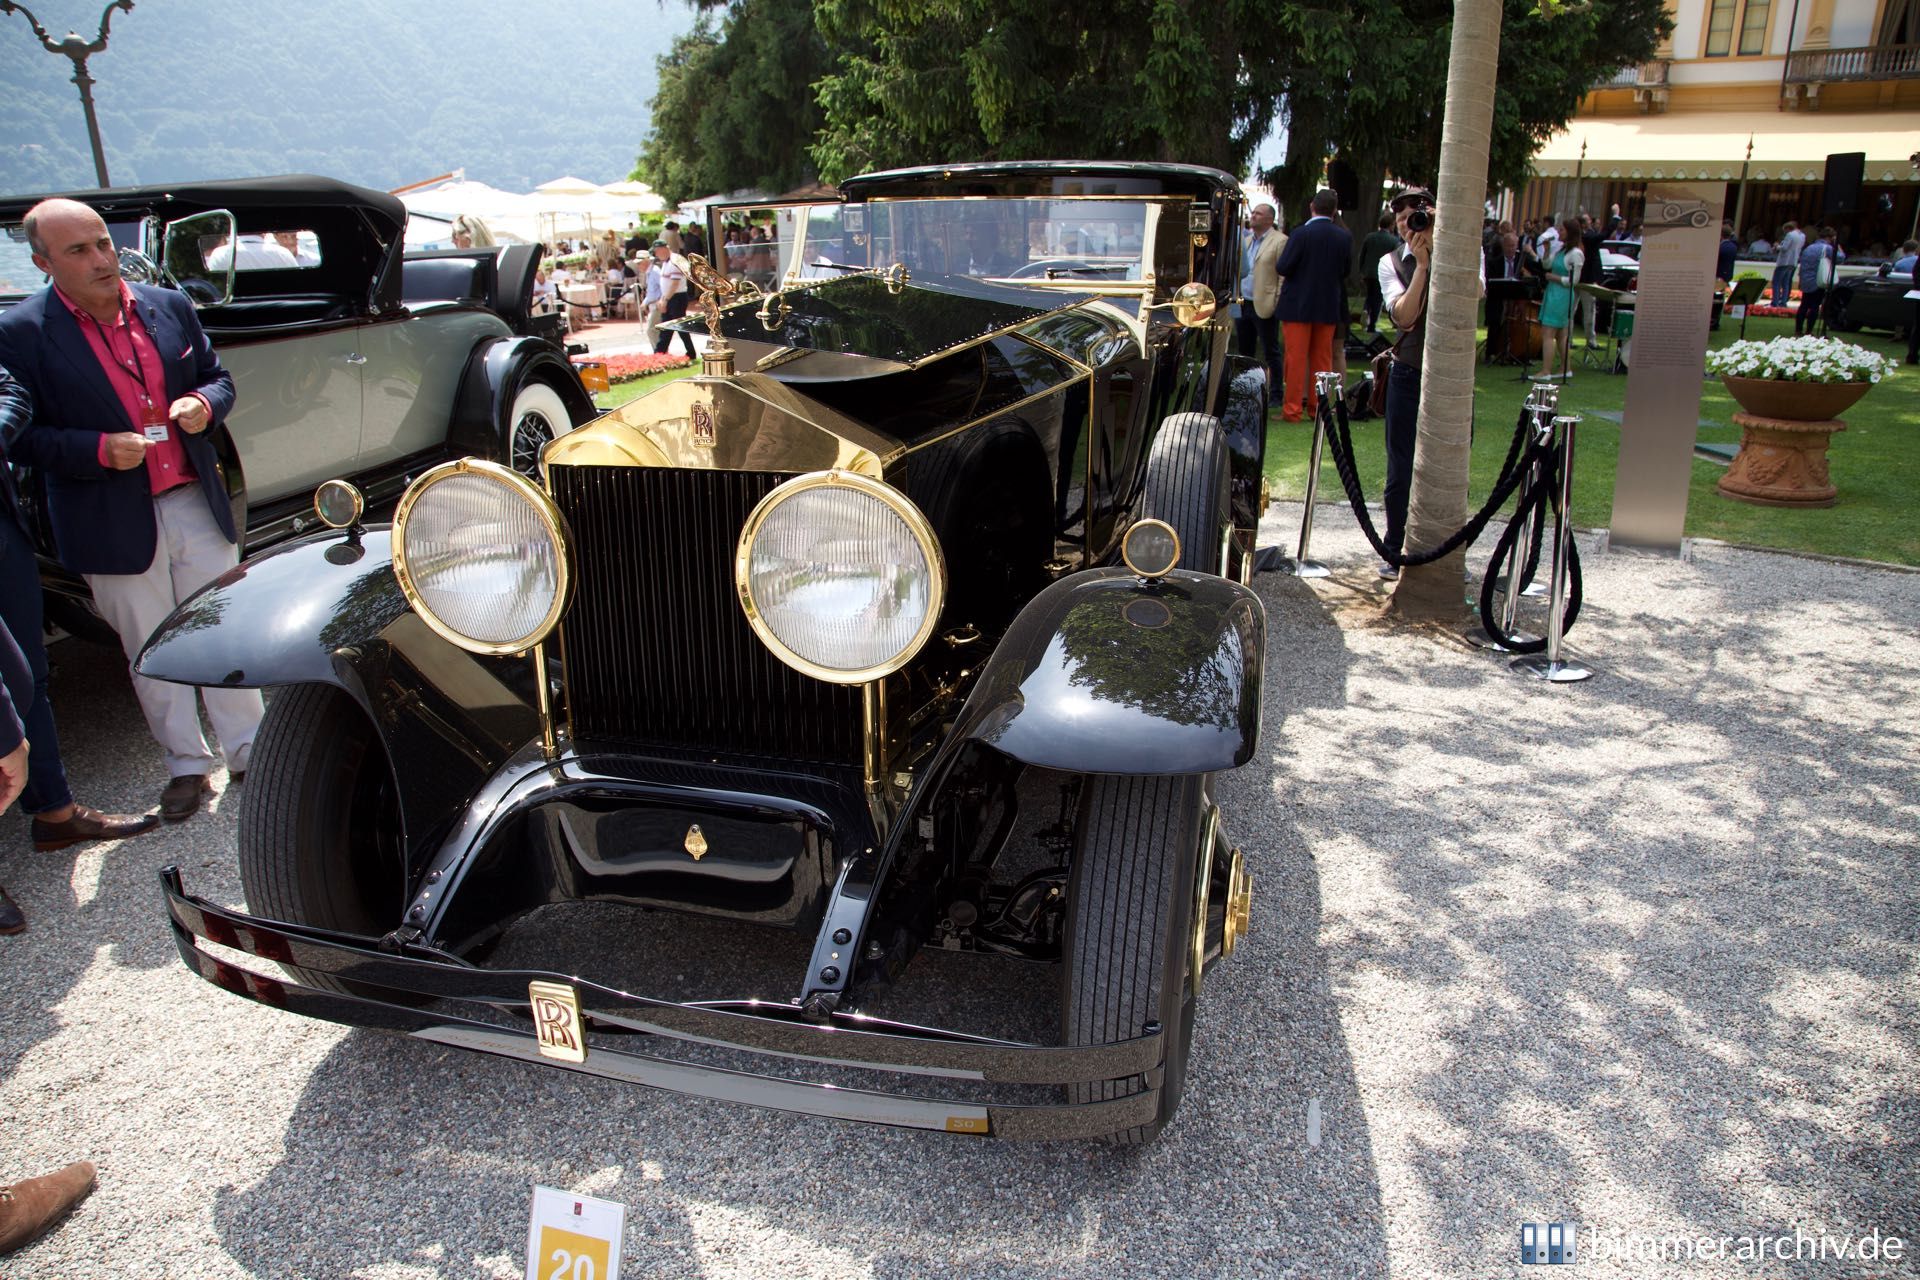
{"x": 556, "y": 1021}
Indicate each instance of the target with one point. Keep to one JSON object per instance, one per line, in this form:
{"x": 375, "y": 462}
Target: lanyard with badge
{"x": 153, "y": 417}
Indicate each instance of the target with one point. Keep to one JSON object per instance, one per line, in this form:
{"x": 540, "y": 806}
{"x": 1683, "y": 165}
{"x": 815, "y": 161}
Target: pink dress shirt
{"x": 124, "y": 348}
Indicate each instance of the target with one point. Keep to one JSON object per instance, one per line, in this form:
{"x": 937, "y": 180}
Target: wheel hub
{"x": 1239, "y": 904}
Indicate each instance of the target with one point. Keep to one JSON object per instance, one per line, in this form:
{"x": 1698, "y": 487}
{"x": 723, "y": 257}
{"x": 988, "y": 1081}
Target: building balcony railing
{"x": 1641, "y": 76}
{"x": 1871, "y": 62}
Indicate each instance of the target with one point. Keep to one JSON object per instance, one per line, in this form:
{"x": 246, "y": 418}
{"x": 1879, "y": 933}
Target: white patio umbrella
{"x": 507, "y": 214}
{"x": 568, "y": 186}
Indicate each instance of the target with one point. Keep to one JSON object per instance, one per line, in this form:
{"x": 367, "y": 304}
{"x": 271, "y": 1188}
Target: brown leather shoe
{"x": 89, "y": 824}
{"x": 12, "y": 918}
{"x": 28, "y": 1209}
{"x": 181, "y": 798}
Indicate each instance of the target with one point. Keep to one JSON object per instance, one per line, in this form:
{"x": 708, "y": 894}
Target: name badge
{"x": 153, "y": 424}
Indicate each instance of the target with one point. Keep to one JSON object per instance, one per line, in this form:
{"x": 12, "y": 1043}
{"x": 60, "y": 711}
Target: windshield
{"x": 1018, "y": 239}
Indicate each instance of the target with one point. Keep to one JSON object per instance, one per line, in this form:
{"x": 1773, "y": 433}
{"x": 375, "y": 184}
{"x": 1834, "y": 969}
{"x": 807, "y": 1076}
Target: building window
{"x": 1750, "y": 20}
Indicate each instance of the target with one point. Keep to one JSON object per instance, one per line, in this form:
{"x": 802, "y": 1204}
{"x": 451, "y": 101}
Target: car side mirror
{"x": 199, "y": 255}
{"x": 1192, "y": 304}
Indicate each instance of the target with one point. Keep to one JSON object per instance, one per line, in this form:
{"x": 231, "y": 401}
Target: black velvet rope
{"x": 1333, "y": 412}
{"x": 1543, "y": 497}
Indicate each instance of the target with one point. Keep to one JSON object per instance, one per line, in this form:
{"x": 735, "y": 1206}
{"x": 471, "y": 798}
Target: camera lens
{"x": 1420, "y": 220}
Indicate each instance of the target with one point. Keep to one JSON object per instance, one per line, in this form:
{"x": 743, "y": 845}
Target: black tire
{"x": 1129, "y": 914}
{"x": 320, "y": 840}
{"x": 538, "y": 415}
{"x": 1187, "y": 487}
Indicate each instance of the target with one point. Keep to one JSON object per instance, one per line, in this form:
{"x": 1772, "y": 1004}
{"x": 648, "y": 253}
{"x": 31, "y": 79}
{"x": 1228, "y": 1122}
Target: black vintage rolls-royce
{"x": 966, "y": 492}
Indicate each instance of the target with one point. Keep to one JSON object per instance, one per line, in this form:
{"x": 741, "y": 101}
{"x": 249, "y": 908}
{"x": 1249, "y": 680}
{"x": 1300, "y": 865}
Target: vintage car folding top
{"x": 915, "y": 622}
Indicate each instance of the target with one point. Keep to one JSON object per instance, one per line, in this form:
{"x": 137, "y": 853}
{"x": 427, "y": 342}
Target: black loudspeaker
{"x": 1346, "y": 184}
{"x": 1844, "y": 173}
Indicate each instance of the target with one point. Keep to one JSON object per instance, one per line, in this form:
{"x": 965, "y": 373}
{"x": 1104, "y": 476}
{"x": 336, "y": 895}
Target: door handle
{"x": 354, "y": 357}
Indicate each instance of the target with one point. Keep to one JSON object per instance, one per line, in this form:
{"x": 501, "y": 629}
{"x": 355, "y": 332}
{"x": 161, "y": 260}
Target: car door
{"x": 414, "y": 360}
{"x": 296, "y": 414}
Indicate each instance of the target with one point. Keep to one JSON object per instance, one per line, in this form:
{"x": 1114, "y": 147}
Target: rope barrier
{"x": 1542, "y": 496}
{"x": 1340, "y": 438}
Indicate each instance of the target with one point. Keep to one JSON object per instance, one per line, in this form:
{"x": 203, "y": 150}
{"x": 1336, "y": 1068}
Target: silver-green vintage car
{"x": 350, "y": 356}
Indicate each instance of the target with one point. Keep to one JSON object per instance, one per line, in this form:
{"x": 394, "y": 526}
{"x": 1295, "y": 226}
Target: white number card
{"x": 574, "y": 1237}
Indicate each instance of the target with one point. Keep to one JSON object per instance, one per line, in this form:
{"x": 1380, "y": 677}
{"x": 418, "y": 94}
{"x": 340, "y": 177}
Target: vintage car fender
{"x": 1243, "y": 421}
{"x": 325, "y": 609}
{"x": 495, "y": 372}
{"x": 1107, "y": 672}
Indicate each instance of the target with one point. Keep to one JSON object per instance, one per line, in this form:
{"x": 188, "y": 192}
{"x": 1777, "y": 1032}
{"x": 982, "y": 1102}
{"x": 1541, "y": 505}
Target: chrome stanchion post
{"x": 1551, "y": 666}
{"x": 1326, "y": 385}
{"x": 1540, "y": 403}
{"x": 1542, "y": 433}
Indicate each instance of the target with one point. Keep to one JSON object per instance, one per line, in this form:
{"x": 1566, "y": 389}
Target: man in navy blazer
{"x": 57, "y": 820}
{"x": 125, "y": 389}
{"x": 1313, "y": 301}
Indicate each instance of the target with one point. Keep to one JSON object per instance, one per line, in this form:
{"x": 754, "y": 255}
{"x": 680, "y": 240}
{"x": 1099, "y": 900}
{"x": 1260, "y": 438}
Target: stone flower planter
{"x": 1783, "y": 440}
{"x": 1795, "y": 401}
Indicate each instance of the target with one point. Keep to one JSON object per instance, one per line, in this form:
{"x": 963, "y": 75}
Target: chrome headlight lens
{"x": 481, "y": 555}
{"x": 840, "y": 576}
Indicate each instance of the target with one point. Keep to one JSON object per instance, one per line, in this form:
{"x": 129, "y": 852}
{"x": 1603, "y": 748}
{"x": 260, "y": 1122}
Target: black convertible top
{"x": 361, "y": 231}
{"x": 293, "y": 190}
{"x": 1042, "y": 178}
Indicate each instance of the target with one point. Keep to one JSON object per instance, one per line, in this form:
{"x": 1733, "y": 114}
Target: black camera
{"x": 1420, "y": 220}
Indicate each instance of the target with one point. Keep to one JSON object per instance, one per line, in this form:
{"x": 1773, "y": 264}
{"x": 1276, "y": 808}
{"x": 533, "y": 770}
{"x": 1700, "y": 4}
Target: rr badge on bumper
{"x": 556, "y": 1021}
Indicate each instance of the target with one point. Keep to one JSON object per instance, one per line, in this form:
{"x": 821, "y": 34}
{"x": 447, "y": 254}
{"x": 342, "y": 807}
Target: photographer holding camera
{"x": 1403, "y": 273}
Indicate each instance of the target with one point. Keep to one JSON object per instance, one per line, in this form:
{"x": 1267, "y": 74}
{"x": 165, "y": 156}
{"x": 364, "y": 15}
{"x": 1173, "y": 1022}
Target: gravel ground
{"x": 1638, "y": 953}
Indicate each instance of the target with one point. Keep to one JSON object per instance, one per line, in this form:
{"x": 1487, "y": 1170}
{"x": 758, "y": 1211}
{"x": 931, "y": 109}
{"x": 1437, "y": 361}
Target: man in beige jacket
{"x": 1256, "y": 323}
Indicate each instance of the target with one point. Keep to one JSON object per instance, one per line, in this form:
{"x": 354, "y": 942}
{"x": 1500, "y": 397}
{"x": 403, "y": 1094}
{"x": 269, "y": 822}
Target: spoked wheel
{"x": 1128, "y": 944}
{"x": 538, "y": 416}
{"x": 320, "y": 838}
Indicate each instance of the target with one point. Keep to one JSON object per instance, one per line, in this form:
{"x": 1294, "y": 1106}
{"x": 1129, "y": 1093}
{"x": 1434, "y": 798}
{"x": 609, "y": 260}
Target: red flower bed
{"x": 626, "y": 368}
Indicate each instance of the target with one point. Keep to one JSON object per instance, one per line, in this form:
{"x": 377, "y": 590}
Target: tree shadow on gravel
{"x": 1649, "y": 941}
{"x": 430, "y": 1152}
{"x": 91, "y": 903}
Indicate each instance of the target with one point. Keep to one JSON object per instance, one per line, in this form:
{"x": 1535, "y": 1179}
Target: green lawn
{"x": 623, "y": 392}
{"x": 1875, "y": 463}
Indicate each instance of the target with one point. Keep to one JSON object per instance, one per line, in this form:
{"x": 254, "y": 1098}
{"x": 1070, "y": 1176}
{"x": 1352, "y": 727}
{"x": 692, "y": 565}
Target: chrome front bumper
{"x": 376, "y": 967}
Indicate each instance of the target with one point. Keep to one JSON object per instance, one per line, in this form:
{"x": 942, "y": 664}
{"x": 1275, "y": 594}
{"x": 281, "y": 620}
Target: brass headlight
{"x": 840, "y": 576}
{"x": 481, "y": 554}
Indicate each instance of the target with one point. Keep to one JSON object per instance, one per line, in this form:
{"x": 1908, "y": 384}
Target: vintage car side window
{"x": 829, "y": 244}
{"x": 756, "y": 242}
{"x": 1172, "y": 246}
{"x": 262, "y": 251}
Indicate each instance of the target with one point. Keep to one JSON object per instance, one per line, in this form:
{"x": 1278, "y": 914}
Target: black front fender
{"x": 326, "y": 609}
{"x": 494, "y": 375}
{"x": 1105, "y": 672}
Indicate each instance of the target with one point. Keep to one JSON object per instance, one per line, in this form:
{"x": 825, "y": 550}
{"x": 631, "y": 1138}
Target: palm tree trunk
{"x": 1438, "y": 505}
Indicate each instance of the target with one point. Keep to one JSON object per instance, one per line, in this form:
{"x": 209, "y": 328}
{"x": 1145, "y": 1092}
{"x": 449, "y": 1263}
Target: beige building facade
{"x": 1757, "y": 94}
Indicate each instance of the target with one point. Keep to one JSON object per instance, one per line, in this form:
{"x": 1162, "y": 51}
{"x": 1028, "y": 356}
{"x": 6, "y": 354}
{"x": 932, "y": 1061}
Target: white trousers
{"x": 190, "y": 552}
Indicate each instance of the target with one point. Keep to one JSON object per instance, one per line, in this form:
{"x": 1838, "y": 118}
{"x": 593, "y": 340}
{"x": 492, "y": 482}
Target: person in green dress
{"x": 1556, "y": 309}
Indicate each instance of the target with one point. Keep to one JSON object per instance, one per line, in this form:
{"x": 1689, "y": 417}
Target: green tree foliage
{"x": 919, "y": 80}
{"x": 736, "y": 106}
